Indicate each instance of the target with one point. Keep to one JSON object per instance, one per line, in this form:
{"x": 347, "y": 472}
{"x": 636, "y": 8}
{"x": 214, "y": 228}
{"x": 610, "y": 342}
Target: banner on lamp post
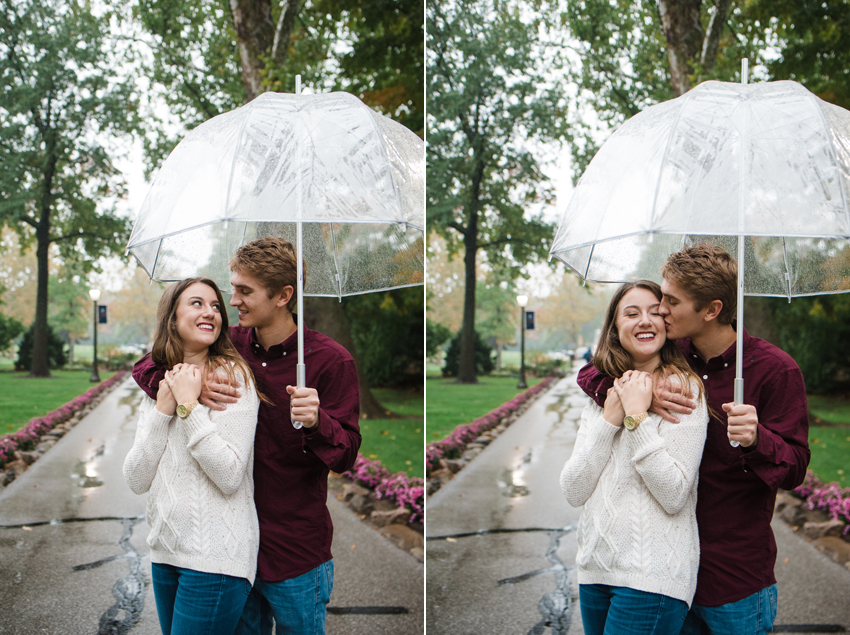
{"x": 101, "y": 314}
{"x": 529, "y": 320}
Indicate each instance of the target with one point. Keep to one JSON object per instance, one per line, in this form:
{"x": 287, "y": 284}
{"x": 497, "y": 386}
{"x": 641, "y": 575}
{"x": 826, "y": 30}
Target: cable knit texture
{"x": 638, "y": 527}
{"x": 199, "y": 471}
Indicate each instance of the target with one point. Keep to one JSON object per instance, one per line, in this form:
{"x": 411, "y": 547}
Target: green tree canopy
{"x": 492, "y": 98}
{"x": 60, "y": 99}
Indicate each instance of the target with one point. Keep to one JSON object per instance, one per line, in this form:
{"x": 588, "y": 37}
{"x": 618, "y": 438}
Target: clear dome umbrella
{"x": 760, "y": 169}
{"x": 343, "y": 183}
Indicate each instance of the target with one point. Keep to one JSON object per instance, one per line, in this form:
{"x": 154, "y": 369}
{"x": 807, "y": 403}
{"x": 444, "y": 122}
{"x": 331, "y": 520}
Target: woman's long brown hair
{"x": 613, "y": 360}
{"x": 168, "y": 347}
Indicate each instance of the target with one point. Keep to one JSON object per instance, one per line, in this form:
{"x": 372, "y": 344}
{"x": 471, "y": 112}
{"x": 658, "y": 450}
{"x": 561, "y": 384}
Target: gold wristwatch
{"x": 631, "y": 422}
{"x": 184, "y": 409}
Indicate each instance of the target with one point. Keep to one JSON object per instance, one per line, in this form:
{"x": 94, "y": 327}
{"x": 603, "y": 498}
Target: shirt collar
{"x": 727, "y": 356}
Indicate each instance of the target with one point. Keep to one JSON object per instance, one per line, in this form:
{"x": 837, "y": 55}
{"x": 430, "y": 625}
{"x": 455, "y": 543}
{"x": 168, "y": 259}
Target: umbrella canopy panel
{"x": 813, "y": 266}
{"x": 769, "y": 161}
{"x": 341, "y": 258}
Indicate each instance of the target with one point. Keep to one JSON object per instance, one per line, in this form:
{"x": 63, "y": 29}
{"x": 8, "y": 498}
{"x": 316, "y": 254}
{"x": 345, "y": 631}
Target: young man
{"x": 294, "y": 567}
{"x": 736, "y": 588}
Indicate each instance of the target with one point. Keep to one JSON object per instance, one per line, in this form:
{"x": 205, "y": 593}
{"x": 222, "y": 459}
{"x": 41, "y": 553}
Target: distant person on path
{"x": 736, "y": 588}
{"x": 636, "y": 476}
{"x": 197, "y": 465}
{"x": 294, "y": 565}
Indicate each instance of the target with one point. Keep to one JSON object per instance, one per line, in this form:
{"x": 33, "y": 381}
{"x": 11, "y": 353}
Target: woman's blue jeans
{"x": 615, "y": 610}
{"x": 190, "y": 602}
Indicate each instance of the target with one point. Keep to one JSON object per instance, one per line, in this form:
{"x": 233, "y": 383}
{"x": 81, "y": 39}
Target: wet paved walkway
{"x": 73, "y": 556}
{"x": 501, "y": 541}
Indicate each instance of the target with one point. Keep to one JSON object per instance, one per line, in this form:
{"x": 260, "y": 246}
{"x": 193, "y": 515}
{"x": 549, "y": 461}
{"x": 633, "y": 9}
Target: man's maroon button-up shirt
{"x": 737, "y": 486}
{"x": 291, "y": 466}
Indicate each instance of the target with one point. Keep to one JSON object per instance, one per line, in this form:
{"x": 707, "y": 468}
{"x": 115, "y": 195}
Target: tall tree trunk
{"x": 466, "y": 372}
{"x": 327, "y": 316}
{"x": 255, "y": 30}
{"x": 680, "y": 21}
{"x": 40, "y": 363}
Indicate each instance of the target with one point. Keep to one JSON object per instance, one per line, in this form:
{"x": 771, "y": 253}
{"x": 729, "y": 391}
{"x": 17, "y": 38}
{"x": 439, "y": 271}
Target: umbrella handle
{"x": 739, "y": 399}
{"x": 300, "y": 382}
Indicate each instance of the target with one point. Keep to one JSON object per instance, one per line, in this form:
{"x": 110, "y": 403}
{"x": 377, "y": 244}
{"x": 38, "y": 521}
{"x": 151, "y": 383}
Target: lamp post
{"x": 522, "y": 300}
{"x": 94, "y": 294}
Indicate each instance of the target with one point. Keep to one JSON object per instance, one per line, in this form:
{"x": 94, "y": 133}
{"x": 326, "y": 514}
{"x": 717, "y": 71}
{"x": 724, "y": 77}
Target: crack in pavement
{"x": 129, "y": 591}
{"x": 487, "y": 532}
{"x": 367, "y": 610}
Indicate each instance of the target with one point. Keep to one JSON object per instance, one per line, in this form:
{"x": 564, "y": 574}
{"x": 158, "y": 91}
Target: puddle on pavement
{"x": 132, "y": 400}
{"x": 512, "y": 480}
{"x": 560, "y": 406}
{"x": 85, "y": 472}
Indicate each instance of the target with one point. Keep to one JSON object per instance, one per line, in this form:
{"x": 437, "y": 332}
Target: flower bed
{"x": 403, "y": 490}
{"x": 452, "y": 446}
{"x": 830, "y": 498}
{"x": 28, "y": 437}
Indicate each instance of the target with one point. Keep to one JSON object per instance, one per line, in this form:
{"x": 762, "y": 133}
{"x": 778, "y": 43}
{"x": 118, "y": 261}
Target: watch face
{"x": 181, "y": 410}
{"x": 629, "y": 423}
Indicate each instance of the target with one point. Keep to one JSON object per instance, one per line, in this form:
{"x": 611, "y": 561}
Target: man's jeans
{"x": 190, "y": 602}
{"x": 616, "y": 610}
{"x": 299, "y": 606}
{"x": 753, "y": 615}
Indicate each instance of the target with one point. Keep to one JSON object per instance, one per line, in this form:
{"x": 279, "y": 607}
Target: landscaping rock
{"x": 793, "y": 515}
{"x": 15, "y": 468}
{"x": 418, "y": 553}
{"x": 442, "y": 475}
{"x": 475, "y": 446}
{"x": 360, "y": 504}
{"x": 452, "y": 465}
{"x": 50, "y": 437}
{"x": 834, "y": 548}
{"x": 397, "y": 516}
{"x": 815, "y": 530}
{"x": 471, "y": 452}
{"x": 44, "y": 446}
{"x": 27, "y": 457}
{"x": 5, "y": 479}
{"x": 404, "y": 537}
{"x": 351, "y": 490}
{"x": 485, "y": 439}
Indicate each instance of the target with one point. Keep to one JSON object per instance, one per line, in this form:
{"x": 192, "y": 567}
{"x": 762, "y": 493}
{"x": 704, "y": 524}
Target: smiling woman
{"x": 200, "y": 459}
{"x": 636, "y": 477}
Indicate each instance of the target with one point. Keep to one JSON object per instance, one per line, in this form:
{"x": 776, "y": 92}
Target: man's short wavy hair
{"x": 272, "y": 262}
{"x": 705, "y": 273}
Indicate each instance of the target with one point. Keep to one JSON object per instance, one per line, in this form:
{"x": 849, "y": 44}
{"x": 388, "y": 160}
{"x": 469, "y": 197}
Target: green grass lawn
{"x": 396, "y": 443}
{"x": 450, "y": 405}
{"x": 23, "y": 398}
{"x": 830, "y": 442}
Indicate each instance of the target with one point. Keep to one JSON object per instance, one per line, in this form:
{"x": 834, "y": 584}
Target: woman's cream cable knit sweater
{"x": 638, "y": 527}
{"x": 199, "y": 471}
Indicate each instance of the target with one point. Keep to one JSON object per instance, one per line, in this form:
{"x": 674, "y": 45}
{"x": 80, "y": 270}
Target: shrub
{"x": 55, "y": 350}
{"x": 483, "y": 356}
